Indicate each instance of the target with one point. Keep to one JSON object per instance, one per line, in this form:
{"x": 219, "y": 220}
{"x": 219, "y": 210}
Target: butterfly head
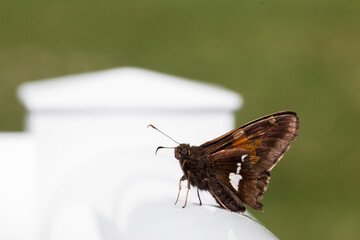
{"x": 182, "y": 151}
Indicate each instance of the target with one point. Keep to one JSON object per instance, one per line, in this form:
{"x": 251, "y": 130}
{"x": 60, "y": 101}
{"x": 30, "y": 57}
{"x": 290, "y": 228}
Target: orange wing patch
{"x": 244, "y": 143}
{"x": 243, "y": 140}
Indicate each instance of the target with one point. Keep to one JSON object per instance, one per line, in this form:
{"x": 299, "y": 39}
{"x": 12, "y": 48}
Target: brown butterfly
{"x": 235, "y": 167}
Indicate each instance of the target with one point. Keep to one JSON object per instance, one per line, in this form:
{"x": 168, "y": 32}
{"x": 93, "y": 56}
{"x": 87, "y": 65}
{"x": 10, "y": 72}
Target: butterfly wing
{"x": 266, "y": 138}
{"x": 240, "y": 161}
{"x": 237, "y": 180}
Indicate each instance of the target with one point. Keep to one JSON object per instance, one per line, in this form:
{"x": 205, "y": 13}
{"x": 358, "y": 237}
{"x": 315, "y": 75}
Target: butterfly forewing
{"x": 266, "y": 138}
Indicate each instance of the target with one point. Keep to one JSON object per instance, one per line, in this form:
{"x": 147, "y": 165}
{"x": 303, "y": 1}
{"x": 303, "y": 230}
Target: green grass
{"x": 297, "y": 55}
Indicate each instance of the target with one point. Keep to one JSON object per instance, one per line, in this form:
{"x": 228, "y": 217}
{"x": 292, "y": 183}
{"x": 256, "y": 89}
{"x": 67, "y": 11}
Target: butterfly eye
{"x": 183, "y": 151}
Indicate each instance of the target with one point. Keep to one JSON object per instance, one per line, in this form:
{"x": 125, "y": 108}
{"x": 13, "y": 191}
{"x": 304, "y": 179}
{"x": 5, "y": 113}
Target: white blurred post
{"x": 98, "y": 176}
{"x": 17, "y": 187}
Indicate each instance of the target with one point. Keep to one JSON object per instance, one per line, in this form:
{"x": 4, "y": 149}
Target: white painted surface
{"x": 126, "y": 88}
{"x": 18, "y": 218}
{"x": 96, "y": 176}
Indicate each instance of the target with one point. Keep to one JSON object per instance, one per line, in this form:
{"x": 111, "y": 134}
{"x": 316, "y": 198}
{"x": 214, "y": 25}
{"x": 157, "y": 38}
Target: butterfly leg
{"x": 188, "y": 188}
{"x": 199, "y": 197}
{"x": 181, "y": 179}
{"x": 198, "y": 193}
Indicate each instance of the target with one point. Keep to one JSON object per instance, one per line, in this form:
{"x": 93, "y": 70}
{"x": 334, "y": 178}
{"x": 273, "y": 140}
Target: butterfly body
{"x": 235, "y": 167}
{"x": 193, "y": 164}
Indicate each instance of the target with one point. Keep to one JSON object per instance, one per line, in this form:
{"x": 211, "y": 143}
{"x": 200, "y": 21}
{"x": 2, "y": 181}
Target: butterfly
{"x": 235, "y": 167}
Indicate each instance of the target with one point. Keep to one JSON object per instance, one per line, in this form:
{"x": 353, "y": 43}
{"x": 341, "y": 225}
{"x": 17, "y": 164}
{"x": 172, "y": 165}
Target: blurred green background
{"x": 280, "y": 55}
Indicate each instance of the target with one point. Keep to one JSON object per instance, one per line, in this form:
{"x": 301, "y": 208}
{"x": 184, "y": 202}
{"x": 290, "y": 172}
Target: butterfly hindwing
{"x": 235, "y": 173}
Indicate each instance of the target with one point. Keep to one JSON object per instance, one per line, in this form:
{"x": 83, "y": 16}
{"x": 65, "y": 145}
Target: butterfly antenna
{"x": 150, "y": 125}
{"x": 161, "y": 148}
